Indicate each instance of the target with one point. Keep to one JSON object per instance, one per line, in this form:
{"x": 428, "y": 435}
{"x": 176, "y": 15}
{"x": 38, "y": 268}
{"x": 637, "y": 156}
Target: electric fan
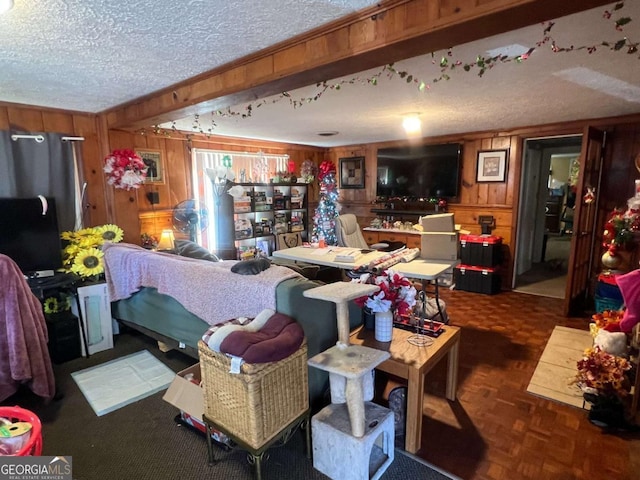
{"x": 190, "y": 217}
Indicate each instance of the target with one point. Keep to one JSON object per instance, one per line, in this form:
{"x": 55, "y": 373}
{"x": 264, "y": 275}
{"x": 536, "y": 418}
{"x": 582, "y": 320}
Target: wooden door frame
{"x": 572, "y": 303}
{"x": 518, "y": 187}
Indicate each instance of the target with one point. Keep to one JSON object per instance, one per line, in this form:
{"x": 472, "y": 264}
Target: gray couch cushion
{"x": 187, "y": 248}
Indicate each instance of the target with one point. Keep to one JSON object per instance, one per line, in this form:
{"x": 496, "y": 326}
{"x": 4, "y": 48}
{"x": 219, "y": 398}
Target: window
{"x": 247, "y": 167}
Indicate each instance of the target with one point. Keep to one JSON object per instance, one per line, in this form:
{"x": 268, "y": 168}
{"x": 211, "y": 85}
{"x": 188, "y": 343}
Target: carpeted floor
{"x": 556, "y": 368}
{"x": 142, "y": 440}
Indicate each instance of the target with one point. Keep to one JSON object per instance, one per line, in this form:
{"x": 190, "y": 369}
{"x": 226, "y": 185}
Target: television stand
{"x": 40, "y": 274}
{"x": 398, "y": 212}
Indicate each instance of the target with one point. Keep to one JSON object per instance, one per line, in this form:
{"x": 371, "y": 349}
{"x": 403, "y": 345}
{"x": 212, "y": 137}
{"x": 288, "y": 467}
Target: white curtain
{"x": 247, "y": 167}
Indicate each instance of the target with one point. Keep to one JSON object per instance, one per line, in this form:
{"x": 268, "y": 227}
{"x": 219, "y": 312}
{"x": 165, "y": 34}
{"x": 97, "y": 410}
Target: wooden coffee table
{"x": 413, "y": 363}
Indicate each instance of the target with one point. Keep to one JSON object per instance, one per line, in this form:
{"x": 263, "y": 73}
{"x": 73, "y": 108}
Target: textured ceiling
{"x": 92, "y": 55}
{"x": 547, "y": 88}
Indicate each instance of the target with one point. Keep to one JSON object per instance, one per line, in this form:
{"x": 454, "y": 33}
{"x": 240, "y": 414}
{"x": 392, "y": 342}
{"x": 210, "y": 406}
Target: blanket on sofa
{"x": 209, "y": 290}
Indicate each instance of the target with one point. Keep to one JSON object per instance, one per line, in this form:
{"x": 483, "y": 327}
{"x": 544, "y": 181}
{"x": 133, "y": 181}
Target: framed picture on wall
{"x": 492, "y": 166}
{"x": 155, "y": 166}
{"x": 352, "y": 172}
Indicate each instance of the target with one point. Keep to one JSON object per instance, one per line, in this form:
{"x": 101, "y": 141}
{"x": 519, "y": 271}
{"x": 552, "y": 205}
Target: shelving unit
{"x": 266, "y": 210}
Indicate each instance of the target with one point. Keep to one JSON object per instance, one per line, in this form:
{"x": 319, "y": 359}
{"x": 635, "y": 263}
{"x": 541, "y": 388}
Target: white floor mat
{"x": 125, "y": 380}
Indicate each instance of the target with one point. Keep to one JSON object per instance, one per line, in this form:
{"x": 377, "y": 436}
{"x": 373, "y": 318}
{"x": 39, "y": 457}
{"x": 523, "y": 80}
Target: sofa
{"x": 151, "y": 308}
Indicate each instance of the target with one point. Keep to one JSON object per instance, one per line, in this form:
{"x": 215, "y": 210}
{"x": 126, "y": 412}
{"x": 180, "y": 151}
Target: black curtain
{"x": 29, "y": 168}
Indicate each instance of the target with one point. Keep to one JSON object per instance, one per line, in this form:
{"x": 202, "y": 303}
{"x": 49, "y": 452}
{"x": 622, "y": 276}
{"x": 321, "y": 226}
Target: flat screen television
{"x": 419, "y": 171}
{"x": 29, "y": 234}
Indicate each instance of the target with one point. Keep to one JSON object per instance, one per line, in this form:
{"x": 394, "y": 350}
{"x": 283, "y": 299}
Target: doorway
{"x": 550, "y": 169}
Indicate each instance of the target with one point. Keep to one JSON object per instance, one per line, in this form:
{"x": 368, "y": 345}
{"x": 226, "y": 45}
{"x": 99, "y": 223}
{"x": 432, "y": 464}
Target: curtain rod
{"x": 244, "y": 154}
{"x": 40, "y": 138}
{"x": 37, "y": 138}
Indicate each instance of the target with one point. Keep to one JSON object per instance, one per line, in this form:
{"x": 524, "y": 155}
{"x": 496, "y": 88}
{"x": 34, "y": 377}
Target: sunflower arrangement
{"x": 82, "y": 254}
{"x": 57, "y": 304}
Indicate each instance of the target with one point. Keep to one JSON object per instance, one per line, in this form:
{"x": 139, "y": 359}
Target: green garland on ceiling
{"x": 447, "y": 66}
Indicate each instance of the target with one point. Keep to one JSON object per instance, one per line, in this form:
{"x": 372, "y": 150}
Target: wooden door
{"x": 584, "y": 225}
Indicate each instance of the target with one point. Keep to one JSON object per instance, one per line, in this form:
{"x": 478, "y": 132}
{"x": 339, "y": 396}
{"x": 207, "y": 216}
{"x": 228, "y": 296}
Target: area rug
{"x": 122, "y": 381}
{"x": 556, "y": 368}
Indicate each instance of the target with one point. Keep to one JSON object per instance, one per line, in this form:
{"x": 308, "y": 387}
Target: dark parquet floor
{"x": 498, "y": 431}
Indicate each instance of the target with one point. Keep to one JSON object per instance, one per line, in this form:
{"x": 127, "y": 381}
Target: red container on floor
{"x": 33, "y": 446}
{"x": 481, "y": 250}
{"x": 471, "y": 278}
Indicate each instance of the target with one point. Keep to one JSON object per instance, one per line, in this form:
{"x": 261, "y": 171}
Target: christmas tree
{"x": 324, "y": 219}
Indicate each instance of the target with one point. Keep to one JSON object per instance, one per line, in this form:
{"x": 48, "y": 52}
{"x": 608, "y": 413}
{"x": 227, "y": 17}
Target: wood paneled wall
{"x": 501, "y": 199}
{"x": 132, "y": 211}
{"x": 475, "y": 199}
{"x": 136, "y": 215}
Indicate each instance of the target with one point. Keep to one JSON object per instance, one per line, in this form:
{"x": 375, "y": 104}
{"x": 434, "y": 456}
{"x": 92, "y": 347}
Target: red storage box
{"x": 471, "y": 278}
{"x": 481, "y": 250}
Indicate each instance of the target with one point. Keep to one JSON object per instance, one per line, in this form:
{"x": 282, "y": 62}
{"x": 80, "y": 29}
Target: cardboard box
{"x": 187, "y": 397}
{"x": 441, "y": 222}
{"x": 97, "y": 323}
{"x": 439, "y": 245}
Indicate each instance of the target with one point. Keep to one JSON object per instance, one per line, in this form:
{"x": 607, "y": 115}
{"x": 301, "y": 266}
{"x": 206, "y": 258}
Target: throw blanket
{"x": 24, "y": 357}
{"x": 209, "y": 290}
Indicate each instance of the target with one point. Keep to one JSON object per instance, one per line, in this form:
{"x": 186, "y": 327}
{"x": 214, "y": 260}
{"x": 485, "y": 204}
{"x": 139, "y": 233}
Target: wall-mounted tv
{"x": 29, "y": 234}
{"x": 419, "y": 171}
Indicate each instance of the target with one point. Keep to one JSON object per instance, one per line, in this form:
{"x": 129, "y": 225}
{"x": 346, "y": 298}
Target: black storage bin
{"x": 481, "y": 250}
{"x": 64, "y": 337}
{"x": 477, "y": 279}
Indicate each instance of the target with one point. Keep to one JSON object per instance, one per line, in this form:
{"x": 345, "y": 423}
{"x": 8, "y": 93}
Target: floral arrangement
{"x": 308, "y": 171}
{"x": 285, "y": 176}
{"x": 148, "y": 241}
{"x": 82, "y": 254}
{"x": 396, "y": 294}
{"x": 125, "y": 169}
{"x": 57, "y": 304}
{"x": 608, "y": 320}
{"x": 601, "y": 373}
{"x": 620, "y": 230}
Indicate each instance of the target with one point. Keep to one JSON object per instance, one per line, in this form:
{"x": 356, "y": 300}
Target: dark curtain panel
{"x": 29, "y": 169}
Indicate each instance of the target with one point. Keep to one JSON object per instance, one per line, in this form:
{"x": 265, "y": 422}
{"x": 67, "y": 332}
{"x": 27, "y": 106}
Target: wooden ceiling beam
{"x": 391, "y": 31}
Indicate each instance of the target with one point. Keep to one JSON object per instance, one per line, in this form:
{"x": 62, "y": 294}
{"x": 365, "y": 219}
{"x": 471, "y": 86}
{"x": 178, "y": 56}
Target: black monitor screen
{"x": 29, "y": 233}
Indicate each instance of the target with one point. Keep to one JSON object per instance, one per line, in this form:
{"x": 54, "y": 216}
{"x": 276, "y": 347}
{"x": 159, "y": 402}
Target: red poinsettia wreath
{"x": 125, "y": 169}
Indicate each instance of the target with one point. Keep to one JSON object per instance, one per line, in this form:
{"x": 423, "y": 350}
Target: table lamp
{"x": 166, "y": 240}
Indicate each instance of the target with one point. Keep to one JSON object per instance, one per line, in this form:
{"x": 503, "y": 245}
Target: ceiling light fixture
{"x": 412, "y": 124}
{"x": 6, "y": 5}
